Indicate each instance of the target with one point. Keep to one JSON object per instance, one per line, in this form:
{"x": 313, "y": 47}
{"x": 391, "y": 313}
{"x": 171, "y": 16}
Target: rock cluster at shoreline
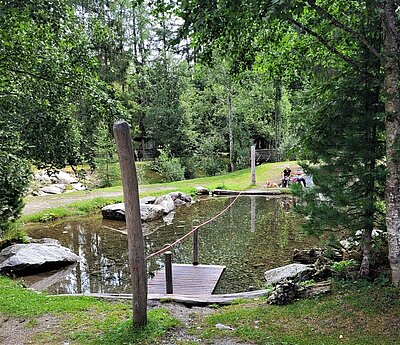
{"x": 151, "y": 208}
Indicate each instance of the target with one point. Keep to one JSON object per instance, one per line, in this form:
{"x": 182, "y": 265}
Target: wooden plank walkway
{"x": 272, "y": 191}
{"x": 188, "y": 279}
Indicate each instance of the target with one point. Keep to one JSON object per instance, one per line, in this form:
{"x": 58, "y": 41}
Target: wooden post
{"x": 253, "y": 165}
{"x": 196, "y": 248}
{"x": 137, "y": 264}
{"x": 168, "y": 273}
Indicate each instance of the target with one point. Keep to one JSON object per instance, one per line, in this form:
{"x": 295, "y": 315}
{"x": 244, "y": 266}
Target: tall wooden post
{"x": 253, "y": 165}
{"x": 137, "y": 263}
{"x": 196, "y": 248}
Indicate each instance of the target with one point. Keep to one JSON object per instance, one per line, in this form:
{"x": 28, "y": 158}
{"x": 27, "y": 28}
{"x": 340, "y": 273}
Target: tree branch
{"x": 329, "y": 47}
{"x": 337, "y": 23}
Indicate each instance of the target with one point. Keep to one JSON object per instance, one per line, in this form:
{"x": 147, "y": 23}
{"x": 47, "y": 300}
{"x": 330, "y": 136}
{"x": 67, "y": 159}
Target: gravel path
{"x": 35, "y": 204}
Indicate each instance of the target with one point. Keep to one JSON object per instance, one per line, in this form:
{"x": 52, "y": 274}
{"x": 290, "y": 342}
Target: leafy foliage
{"x": 14, "y": 176}
{"x": 168, "y": 167}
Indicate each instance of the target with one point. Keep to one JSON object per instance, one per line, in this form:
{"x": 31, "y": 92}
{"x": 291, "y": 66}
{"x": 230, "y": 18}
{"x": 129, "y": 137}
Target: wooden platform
{"x": 272, "y": 191}
{"x": 188, "y": 279}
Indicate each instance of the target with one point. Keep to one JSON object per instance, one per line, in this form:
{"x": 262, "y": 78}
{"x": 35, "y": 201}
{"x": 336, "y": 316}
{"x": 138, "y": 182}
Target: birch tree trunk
{"x": 392, "y": 124}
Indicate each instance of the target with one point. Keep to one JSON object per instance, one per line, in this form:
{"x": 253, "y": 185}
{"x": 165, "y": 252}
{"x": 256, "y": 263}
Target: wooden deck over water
{"x": 188, "y": 279}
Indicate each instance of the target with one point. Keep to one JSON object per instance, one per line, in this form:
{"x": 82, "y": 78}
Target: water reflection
{"x": 255, "y": 234}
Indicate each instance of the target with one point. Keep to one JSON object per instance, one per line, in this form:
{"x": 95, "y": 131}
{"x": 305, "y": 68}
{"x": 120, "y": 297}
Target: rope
{"x": 169, "y": 246}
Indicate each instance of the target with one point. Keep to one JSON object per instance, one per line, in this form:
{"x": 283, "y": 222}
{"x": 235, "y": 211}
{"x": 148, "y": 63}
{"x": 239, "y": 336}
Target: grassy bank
{"x": 357, "y": 313}
{"x": 238, "y": 180}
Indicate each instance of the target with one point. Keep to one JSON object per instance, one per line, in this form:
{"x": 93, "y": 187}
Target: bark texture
{"x": 392, "y": 123}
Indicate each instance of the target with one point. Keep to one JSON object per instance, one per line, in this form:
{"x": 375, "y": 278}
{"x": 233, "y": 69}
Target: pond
{"x": 254, "y": 235}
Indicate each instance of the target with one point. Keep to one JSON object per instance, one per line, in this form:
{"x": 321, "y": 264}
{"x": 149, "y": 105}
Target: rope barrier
{"x": 169, "y": 246}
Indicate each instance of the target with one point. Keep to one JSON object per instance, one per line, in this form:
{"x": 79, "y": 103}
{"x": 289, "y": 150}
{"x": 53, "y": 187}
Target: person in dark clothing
{"x": 286, "y": 177}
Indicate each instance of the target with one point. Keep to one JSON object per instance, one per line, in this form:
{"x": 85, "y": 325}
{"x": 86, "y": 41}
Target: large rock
{"x": 114, "y": 211}
{"x": 64, "y": 177}
{"x": 147, "y": 200}
{"x": 166, "y": 202}
{"x": 295, "y": 272}
{"x": 23, "y": 259}
{"x": 179, "y": 197}
{"x": 53, "y": 189}
{"x": 148, "y": 212}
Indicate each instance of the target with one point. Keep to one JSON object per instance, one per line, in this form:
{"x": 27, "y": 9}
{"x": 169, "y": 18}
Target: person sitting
{"x": 298, "y": 177}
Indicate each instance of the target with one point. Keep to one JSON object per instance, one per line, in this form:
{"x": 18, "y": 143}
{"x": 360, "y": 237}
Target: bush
{"x": 211, "y": 164}
{"x": 14, "y": 178}
{"x": 169, "y": 168}
{"x": 344, "y": 269}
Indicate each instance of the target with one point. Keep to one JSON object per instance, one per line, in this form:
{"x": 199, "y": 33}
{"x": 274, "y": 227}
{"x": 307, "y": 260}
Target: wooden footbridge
{"x": 186, "y": 279}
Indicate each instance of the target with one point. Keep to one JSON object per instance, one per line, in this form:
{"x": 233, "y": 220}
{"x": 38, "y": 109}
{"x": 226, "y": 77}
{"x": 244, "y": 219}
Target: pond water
{"x": 255, "y": 234}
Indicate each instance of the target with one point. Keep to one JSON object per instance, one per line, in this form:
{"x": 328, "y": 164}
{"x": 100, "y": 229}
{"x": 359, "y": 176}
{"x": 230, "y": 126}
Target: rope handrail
{"x": 169, "y": 246}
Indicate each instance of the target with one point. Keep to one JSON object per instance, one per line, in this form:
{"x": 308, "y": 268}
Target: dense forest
{"x": 200, "y": 82}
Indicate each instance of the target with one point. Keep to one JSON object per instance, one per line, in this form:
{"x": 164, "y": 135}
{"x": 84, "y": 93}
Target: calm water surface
{"x": 254, "y": 235}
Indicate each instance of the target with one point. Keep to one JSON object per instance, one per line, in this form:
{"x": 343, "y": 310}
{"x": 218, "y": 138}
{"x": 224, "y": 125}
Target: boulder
{"x": 114, "y": 211}
{"x": 64, "y": 177}
{"x": 149, "y": 212}
{"x": 200, "y": 190}
{"x": 166, "y": 202}
{"x": 179, "y": 198}
{"x": 23, "y": 259}
{"x": 53, "y": 189}
{"x": 295, "y": 272}
{"x": 147, "y": 200}
{"x": 179, "y": 202}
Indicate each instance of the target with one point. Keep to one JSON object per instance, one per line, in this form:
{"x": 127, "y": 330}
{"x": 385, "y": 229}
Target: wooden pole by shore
{"x": 137, "y": 263}
{"x": 253, "y": 165}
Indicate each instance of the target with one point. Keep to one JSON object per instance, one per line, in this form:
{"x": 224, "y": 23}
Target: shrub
{"x": 14, "y": 178}
{"x": 170, "y": 168}
{"x": 344, "y": 269}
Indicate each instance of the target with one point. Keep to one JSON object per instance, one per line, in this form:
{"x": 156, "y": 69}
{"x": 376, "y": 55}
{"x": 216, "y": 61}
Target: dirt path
{"x": 35, "y": 204}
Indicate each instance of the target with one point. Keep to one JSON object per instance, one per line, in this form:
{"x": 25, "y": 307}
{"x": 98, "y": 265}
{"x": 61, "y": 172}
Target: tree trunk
{"x": 277, "y": 115}
{"x": 230, "y": 132}
{"x": 392, "y": 124}
{"x": 366, "y": 253}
